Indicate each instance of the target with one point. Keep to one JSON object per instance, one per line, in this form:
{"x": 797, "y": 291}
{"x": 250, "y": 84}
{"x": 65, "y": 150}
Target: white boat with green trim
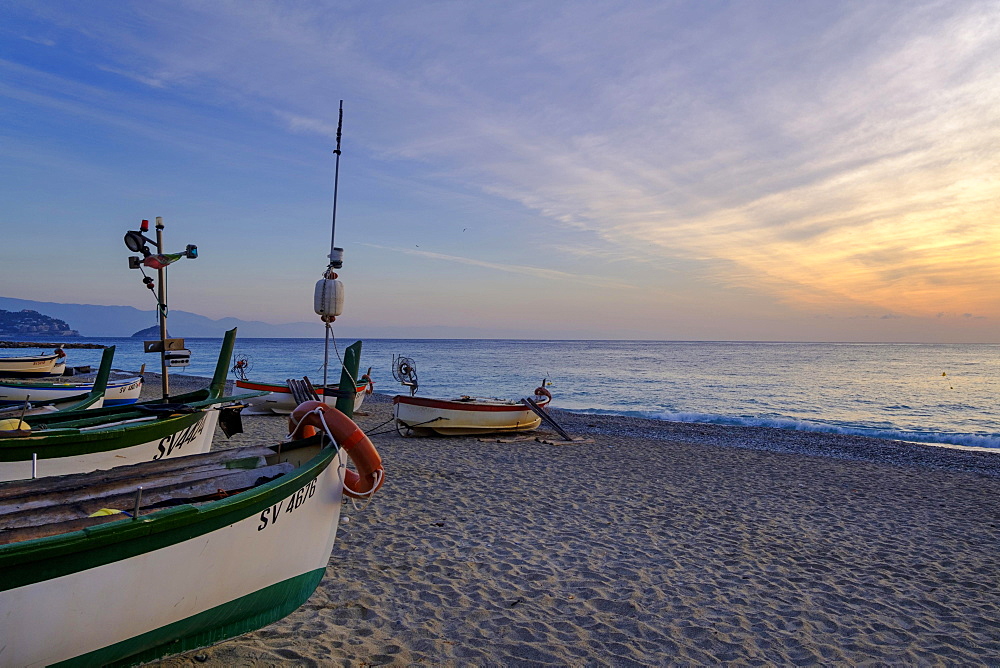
{"x": 118, "y": 392}
{"x": 125, "y": 566}
{"x": 91, "y": 396}
{"x": 79, "y": 441}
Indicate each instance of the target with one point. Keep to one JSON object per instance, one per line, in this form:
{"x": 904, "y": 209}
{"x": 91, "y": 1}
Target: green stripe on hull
{"x": 76, "y": 443}
{"x": 41, "y": 559}
{"x": 228, "y": 620}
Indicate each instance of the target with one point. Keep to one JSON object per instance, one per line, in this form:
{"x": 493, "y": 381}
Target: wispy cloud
{"x": 819, "y": 153}
{"x": 536, "y": 272}
{"x": 867, "y": 175}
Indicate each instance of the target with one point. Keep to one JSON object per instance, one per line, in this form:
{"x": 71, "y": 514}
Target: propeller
{"x": 242, "y": 364}
{"x": 404, "y": 370}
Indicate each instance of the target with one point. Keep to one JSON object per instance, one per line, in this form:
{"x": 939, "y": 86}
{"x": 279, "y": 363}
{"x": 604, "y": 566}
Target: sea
{"x": 943, "y": 394}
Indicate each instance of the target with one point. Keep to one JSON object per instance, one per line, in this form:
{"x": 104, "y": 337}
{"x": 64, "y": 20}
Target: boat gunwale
{"x": 198, "y": 399}
{"x": 284, "y": 389}
{"x": 29, "y": 358}
{"x": 455, "y": 405}
{"x": 66, "y": 385}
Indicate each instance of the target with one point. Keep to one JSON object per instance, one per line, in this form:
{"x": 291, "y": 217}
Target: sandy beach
{"x": 648, "y": 543}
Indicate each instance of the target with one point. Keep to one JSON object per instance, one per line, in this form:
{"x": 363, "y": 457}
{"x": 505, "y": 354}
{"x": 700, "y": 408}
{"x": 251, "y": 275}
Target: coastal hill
{"x": 124, "y": 321}
{"x": 149, "y": 333}
{"x": 113, "y": 321}
{"x": 27, "y": 321}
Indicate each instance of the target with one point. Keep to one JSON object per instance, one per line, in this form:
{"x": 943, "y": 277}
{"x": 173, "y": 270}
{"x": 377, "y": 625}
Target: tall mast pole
{"x": 334, "y": 258}
{"x": 336, "y": 254}
{"x": 161, "y": 275}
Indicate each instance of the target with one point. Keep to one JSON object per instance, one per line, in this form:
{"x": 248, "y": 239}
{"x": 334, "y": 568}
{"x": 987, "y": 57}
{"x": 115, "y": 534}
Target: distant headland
{"x": 17, "y": 323}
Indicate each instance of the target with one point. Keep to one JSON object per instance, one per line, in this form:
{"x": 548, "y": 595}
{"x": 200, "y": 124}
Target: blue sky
{"x": 801, "y": 170}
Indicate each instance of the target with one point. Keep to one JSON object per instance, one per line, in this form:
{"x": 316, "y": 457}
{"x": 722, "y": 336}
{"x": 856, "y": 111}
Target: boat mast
{"x": 332, "y": 291}
{"x": 161, "y": 311}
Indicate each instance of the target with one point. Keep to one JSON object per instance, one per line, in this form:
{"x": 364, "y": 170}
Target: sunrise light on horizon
{"x": 780, "y": 170}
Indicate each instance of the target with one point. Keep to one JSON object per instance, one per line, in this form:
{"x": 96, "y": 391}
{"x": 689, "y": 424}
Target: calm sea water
{"x": 918, "y": 392}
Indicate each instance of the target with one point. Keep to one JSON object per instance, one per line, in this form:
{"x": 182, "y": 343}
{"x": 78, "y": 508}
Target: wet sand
{"x": 647, "y": 544}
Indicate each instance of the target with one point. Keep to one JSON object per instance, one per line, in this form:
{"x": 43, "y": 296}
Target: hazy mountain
{"x": 92, "y": 320}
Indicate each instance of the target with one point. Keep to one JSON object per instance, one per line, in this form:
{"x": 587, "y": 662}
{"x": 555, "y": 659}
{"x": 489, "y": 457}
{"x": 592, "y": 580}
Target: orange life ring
{"x": 311, "y": 417}
{"x": 370, "y": 387}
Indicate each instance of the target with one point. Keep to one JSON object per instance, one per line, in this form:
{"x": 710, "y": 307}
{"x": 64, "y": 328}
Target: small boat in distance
{"x": 28, "y": 366}
{"x": 129, "y": 565}
{"x": 117, "y": 393}
{"x": 30, "y": 406}
{"x": 467, "y": 415}
{"x": 280, "y": 400}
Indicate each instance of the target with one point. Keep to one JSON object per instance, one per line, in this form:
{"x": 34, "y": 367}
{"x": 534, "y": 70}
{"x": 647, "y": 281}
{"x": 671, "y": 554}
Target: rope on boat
{"x": 331, "y": 335}
{"x": 377, "y": 473}
{"x": 372, "y": 432}
{"x": 412, "y": 426}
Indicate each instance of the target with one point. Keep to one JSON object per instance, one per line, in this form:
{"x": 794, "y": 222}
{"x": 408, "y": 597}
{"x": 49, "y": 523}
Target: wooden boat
{"x": 117, "y": 392}
{"x": 279, "y": 397}
{"x": 93, "y": 398}
{"x": 29, "y": 366}
{"x": 130, "y": 565}
{"x": 78, "y": 441}
{"x": 467, "y": 415}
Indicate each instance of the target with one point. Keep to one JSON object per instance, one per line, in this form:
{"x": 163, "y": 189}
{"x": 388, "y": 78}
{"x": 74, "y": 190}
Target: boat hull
{"x": 118, "y": 393}
{"x": 107, "y": 446}
{"x": 279, "y": 399}
{"x": 32, "y": 366}
{"x": 130, "y": 592}
{"x": 463, "y": 417}
{"x": 123, "y": 393}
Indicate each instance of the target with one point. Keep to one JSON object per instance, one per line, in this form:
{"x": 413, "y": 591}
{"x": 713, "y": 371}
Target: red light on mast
{"x": 144, "y": 227}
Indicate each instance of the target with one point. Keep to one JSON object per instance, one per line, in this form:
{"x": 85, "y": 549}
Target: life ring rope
{"x": 354, "y": 441}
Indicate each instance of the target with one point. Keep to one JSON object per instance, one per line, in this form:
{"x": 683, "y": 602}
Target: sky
{"x": 800, "y": 170}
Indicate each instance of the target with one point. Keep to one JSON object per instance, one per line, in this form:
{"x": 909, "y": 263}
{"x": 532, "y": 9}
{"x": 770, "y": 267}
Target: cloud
{"x": 866, "y": 176}
{"x": 536, "y": 272}
{"x": 152, "y": 82}
{"x": 821, "y": 153}
{"x": 39, "y": 40}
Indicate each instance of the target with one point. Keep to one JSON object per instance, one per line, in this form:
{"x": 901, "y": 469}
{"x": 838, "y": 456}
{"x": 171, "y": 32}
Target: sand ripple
{"x": 647, "y": 550}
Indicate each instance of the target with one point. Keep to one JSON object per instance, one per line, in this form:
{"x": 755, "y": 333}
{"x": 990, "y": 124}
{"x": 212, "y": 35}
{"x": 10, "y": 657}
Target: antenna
{"x": 336, "y": 254}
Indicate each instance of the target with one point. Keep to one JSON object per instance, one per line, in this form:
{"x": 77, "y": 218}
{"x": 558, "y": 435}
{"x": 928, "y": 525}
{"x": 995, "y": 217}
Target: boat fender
{"x": 542, "y": 392}
{"x": 311, "y": 417}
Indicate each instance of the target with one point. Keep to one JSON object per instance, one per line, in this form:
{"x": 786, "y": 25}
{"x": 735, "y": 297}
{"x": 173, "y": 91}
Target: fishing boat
{"x": 92, "y": 399}
{"x": 279, "y": 397}
{"x": 64, "y": 442}
{"x": 130, "y": 565}
{"x": 468, "y": 415}
{"x": 28, "y": 366}
{"x": 118, "y": 392}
